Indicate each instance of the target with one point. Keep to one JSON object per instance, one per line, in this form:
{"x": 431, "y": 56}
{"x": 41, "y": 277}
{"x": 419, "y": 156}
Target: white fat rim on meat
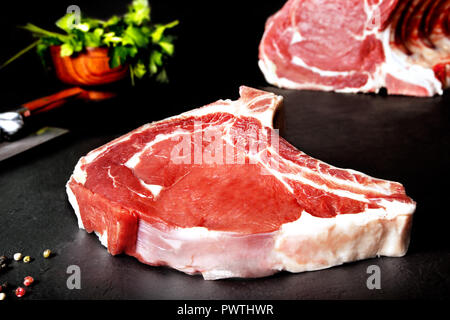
{"x": 367, "y": 236}
{"x": 369, "y": 241}
{"x": 398, "y": 66}
{"x": 103, "y": 237}
{"x": 73, "y": 201}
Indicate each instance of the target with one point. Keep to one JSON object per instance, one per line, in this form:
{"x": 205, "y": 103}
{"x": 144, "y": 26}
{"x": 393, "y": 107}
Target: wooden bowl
{"x": 89, "y": 68}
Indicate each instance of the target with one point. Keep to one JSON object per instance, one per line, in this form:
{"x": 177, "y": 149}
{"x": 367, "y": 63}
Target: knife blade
{"x": 9, "y": 149}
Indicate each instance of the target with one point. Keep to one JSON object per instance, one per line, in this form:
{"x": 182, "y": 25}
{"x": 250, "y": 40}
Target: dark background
{"x": 396, "y": 138}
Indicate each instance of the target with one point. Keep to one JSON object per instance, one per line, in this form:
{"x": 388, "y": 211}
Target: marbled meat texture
{"x": 237, "y": 201}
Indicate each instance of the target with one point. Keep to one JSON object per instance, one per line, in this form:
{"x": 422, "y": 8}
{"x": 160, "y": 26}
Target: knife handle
{"x": 49, "y": 102}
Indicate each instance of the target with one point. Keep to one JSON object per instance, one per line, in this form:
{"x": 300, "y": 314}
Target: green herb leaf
{"x": 20, "y": 53}
{"x": 134, "y": 36}
{"x": 156, "y": 57}
{"x": 112, "y": 21}
{"x": 77, "y": 45}
{"x": 139, "y": 70}
{"x": 51, "y": 41}
{"x": 162, "y": 76}
{"x": 117, "y": 57}
{"x": 167, "y": 47}
{"x": 92, "y": 23}
{"x": 138, "y": 12}
{"x": 111, "y": 38}
{"x": 155, "y": 62}
{"x": 41, "y": 50}
{"x": 132, "y": 51}
{"x": 67, "y": 22}
{"x": 39, "y": 32}
{"x": 83, "y": 27}
{"x": 66, "y": 50}
{"x": 159, "y": 30}
{"x": 120, "y": 55}
{"x": 94, "y": 39}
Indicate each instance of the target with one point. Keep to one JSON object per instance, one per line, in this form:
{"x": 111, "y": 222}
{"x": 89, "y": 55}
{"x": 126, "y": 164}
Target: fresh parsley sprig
{"x": 131, "y": 40}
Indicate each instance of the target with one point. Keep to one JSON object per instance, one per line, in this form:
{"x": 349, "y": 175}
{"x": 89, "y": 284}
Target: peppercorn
{"x": 18, "y": 256}
{"x": 20, "y": 292}
{"x": 47, "y": 253}
{"x": 26, "y": 259}
{"x": 2, "y": 296}
{"x": 27, "y": 281}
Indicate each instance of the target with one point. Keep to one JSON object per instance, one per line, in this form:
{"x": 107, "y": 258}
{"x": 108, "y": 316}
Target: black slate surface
{"x": 397, "y": 138}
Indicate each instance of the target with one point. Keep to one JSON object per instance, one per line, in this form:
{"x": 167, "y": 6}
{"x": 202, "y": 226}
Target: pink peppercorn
{"x": 28, "y": 281}
{"x": 20, "y": 292}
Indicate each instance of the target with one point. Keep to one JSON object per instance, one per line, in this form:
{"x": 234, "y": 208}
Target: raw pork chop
{"x": 359, "y": 46}
{"x": 216, "y": 191}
